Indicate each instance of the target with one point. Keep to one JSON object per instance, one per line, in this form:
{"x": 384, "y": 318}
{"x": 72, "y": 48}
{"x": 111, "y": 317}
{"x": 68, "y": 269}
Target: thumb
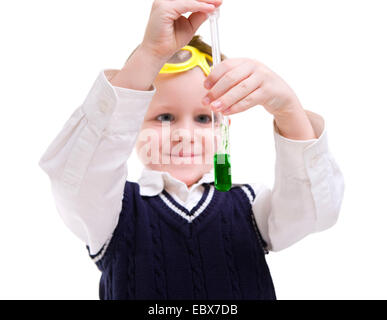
{"x": 196, "y": 19}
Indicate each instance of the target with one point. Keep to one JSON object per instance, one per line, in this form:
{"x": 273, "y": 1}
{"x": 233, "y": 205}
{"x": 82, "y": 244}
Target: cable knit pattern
{"x": 230, "y": 259}
{"x": 158, "y": 259}
{"x": 130, "y": 236}
{"x": 208, "y": 253}
{"x": 197, "y": 271}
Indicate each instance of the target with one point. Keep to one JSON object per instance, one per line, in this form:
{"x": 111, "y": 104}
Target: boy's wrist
{"x": 293, "y": 123}
{"x": 139, "y": 71}
{"x": 152, "y": 54}
{"x": 152, "y": 62}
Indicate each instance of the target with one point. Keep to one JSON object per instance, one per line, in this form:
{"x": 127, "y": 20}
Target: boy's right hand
{"x": 168, "y": 30}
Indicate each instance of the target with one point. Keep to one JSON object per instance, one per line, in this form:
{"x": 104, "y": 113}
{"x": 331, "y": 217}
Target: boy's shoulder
{"x": 251, "y": 188}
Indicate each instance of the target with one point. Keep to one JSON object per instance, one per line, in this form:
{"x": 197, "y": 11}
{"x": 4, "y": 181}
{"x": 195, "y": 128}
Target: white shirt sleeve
{"x": 86, "y": 162}
{"x": 307, "y": 192}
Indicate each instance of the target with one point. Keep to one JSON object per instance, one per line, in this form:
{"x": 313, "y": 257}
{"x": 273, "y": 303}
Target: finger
{"x": 180, "y": 7}
{"x": 216, "y": 3}
{"x": 196, "y": 19}
{"x": 257, "y": 97}
{"x": 220, "y": 70}
{"x": 235, "y": 94}
{"x": 231, "y": 79}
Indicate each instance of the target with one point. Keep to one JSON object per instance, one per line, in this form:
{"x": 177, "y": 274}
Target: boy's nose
{"x": 182, "y": 133}
{"x": 186, "y": 129}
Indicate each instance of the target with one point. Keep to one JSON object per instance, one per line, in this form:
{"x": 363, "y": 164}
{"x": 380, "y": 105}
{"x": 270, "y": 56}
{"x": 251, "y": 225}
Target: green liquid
{"x": 222, "y": 170}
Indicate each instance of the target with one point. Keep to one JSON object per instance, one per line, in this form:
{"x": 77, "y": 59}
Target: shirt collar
{"x": 153, "y": 182}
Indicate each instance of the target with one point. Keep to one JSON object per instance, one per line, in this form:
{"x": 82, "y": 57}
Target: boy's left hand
{"x": 241, "y": 83}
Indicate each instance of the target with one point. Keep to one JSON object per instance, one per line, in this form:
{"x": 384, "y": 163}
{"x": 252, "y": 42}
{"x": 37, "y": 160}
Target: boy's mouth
{"x": 184, "y": 155}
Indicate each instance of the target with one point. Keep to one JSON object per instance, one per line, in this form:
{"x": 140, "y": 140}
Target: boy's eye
{"x": 203, "y": 118}
{"x": 165, "y": 117}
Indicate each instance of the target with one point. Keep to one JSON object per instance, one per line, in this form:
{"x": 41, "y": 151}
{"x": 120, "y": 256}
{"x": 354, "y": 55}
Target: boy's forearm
{"x": 295, "y": 125}
{"x": 139, "y": 72}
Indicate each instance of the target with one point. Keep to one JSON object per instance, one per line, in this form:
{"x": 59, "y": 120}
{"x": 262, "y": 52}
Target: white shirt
{"x": 87, "y": 167}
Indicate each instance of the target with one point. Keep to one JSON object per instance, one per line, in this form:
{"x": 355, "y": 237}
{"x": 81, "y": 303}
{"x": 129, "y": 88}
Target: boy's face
{"x": 176, "y": 135}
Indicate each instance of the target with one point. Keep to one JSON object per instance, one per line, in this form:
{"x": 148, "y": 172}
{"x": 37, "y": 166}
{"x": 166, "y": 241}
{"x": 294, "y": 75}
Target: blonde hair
{"x": 202, "y": 46}
{"x": 196, "y": 42}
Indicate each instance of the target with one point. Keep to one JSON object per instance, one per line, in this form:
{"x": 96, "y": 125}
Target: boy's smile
{"x": 179, "y": 127}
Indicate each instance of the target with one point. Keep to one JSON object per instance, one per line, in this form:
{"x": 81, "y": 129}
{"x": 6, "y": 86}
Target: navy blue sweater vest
{"x": 161, "y": 250}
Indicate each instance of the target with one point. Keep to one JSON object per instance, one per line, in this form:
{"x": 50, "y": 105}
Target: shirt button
{"x": 104, "y": 106}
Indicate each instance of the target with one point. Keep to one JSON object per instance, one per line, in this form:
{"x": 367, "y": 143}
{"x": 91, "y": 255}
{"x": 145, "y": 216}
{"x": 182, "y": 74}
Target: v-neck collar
{"x": 189, "y": 216}
{"x": 155, "y": 184}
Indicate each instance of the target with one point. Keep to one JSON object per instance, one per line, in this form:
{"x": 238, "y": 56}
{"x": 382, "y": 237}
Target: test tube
{"x": 220, "y": 127}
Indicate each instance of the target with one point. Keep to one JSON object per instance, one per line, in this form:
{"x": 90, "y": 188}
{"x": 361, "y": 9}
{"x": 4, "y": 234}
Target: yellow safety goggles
{"x": 189, "y": 57}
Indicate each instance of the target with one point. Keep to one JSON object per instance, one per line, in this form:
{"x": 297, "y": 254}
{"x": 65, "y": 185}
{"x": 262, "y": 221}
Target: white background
{"x": 332, "y": 53}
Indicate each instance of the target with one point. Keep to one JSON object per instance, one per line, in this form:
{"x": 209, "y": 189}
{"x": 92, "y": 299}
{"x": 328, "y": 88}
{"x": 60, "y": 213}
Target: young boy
{"x": 172, "y": 235}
